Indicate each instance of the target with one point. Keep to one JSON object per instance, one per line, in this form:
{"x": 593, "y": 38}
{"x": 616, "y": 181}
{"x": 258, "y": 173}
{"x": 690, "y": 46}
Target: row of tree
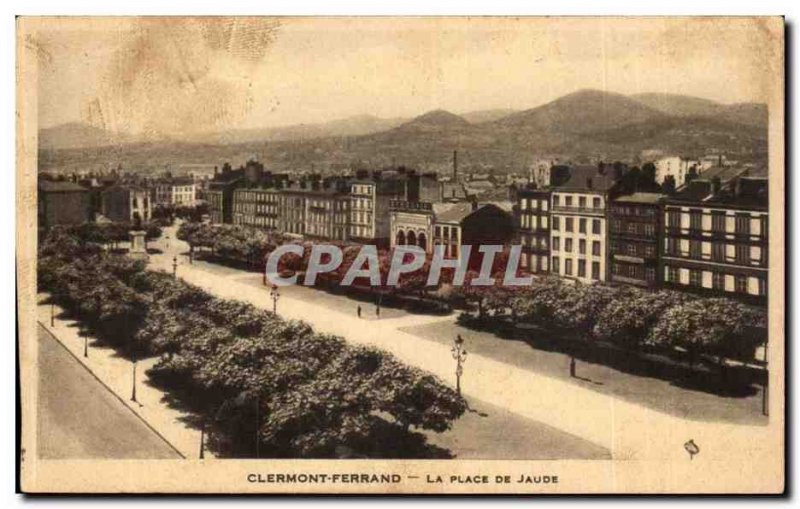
{"x": 264, "y": 386}
{"x": 629, "y": 317}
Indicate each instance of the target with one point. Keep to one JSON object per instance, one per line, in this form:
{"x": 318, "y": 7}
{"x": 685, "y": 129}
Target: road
{"x": 79, "y": 418}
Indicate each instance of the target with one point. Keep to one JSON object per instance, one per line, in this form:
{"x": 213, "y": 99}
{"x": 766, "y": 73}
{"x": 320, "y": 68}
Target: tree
{"x": 717, "y": 327}
{"x": 628, "y": 318}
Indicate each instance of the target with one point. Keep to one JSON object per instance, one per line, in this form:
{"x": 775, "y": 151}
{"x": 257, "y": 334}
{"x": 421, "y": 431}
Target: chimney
{"x": 455, "y": 165}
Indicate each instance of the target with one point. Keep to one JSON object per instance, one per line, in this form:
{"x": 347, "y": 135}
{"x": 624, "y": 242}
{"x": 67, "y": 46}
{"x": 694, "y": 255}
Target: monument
{"x": 138, "y": 244}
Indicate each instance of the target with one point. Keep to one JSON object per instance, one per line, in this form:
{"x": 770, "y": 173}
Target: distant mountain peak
{"x": 440, "y": 117}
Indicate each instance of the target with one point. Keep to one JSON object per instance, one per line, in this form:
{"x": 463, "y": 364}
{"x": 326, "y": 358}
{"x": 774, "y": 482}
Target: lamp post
{"x": 174, "y": 267}
{"x": 275, "y": 295}
{"x": 202, "y": 439}
{"x": 52, "y": 314}
{"x": 133, "y": 378}
{"x": 460, "y": 355}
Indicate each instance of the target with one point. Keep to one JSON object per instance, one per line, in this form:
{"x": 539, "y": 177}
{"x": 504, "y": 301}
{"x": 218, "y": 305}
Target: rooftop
{"x": 58, "y": 186}
{"x": 647, "y": 198}
{"x": 588, "y": 178}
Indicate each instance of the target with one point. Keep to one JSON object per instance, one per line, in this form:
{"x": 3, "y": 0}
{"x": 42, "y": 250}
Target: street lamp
{"x": 275, "y": 295}
{"x": 133, "y": 353}
{"x": 52, "y": 314}
{"x": 460, "y": 355}
{"x": 174, "y": 267}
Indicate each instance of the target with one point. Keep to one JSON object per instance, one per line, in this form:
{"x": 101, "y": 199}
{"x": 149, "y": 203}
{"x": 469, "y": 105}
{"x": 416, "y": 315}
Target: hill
{"x": 78, "y": 135}
{"x": 581, "y": 126}
{"x": 480, "y": 116}
{"x": 581, "y": 111}
{"x": 686, "y": 106}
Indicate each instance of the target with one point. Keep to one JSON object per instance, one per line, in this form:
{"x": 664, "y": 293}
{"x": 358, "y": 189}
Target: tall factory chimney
{"x": 455, "y": 165}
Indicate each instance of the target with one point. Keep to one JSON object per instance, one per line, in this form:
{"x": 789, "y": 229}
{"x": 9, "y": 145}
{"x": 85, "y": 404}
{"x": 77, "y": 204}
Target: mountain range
{"x": 588, "y": 123}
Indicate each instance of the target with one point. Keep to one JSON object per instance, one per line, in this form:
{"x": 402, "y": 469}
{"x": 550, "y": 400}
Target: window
{"x": 672, "y": 274}
{"x": 569, "y": 224}
{"x": 556, "y": 243}
{"x": 582, "y": 246}
{"x": 695, "y": 219}
{"x": 741, "y": 284}
{"x": 718, "y": 280}
{"x": 582, "y": 225}
{"x": 718, "y": 251}
{"x": 762, "y": 287}
{"x": 743, "y": 224}
{"x": 650, "y": 274}
{"x": 718, "y": 222}
{"x": 596, "y": 247}
{"x": 556, "y": 265}
{"x": 568, "y": 201}
{"x": 674, "y": 219}
{"x": 582, "y": 202}
{"x": 596, "y": 202}
{"x": 649, "y": 229}
{"x": 581, "y": 268}
{"x": 742, "y": 253}
{"x": 650, "y": 251}
{"x": 672, "y": 246}
{"x": 568, "y": 245}
{"x": 694, "y": 249}
{"x": 556, "y": 200}
{"x": 556, "y": 223}
{"x": 568, "y": 266}
{"x": 695, "y": 277}
{"x": 596, "y": 226}
{"x": 596, "y": 270}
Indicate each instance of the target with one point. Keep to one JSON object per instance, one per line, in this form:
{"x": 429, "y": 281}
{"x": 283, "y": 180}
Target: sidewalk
{"x": 116, "y": 373}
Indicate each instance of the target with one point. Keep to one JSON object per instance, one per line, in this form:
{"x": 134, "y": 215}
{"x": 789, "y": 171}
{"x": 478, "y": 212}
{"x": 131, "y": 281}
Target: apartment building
{"x": 533, "y": 226}
{"x": 716, "y": 236}
{"x": 370, "y": 201}
{"x": 127, "y": 203}
{"x": 176, "y": 192}
{"x": 635, "y": 226}
{"x": 578, "y": 229}
{"x": 257, "y": 207}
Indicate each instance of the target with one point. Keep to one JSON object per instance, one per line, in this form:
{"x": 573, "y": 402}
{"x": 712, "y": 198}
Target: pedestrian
{"x": 378, "y": 311}
{"x": 572, "y": 367}
{"x": 359, "y": 311}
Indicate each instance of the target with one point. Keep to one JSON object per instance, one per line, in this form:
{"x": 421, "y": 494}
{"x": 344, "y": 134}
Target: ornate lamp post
{"x": 460, "y": 355}
{"x": 174, "y": 267}
{"x": 275, "y": 295}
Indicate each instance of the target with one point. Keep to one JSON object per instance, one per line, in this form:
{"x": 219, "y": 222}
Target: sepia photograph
{"x": 401, "y": 255}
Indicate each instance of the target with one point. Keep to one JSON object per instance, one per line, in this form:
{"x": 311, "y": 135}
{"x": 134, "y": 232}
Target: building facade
{"x": 127, "y": 203}
{"x": 533, "y": 225}
{"x": 411, "y": 224}
{"x": 635, "y": 226}
{"x": 257, "y": 207}
{"x": 578, "y": 229}
{"x": 716, "y": 238}
{"x": 62, "y": 203}
{"x": 176, "y": 192}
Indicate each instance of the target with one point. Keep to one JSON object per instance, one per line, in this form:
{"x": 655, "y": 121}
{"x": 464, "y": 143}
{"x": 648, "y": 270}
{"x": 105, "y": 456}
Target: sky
{"x": 173, "y": 76}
